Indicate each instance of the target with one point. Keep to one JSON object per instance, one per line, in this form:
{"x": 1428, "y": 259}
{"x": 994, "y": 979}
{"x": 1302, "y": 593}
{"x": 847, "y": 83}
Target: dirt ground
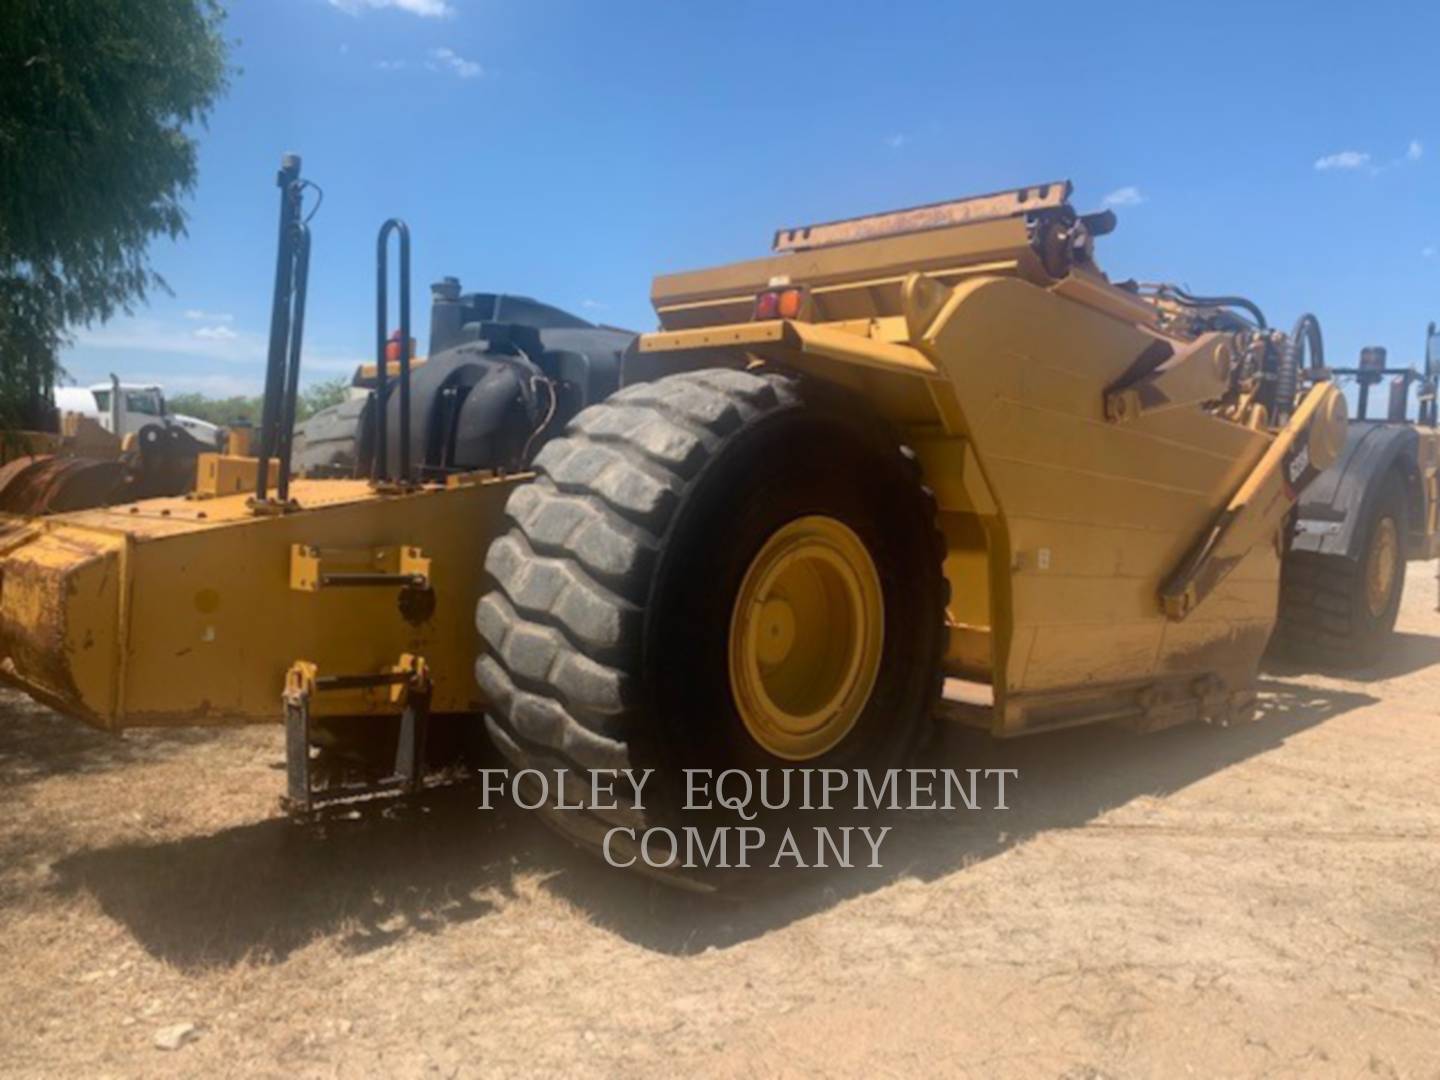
{"x": 1259, "y": 900}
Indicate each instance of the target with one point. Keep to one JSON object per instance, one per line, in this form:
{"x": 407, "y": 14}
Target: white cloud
{"x": 1125, "y": 196}
{"x": 1362, "y": 160}
{"x": 593, "y": 305}
{"x": 1345, "y": 159}
{"x": 441, "y": 60}
{"x": 449, "y": 60}
{"x": 426, "y": 9}
{"x": 155, "y": 336}
{"x": 896, "y": 141}
{"x": 196, "y": 315}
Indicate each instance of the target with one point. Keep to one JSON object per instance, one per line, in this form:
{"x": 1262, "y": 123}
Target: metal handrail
{"x": 382, "y": 376}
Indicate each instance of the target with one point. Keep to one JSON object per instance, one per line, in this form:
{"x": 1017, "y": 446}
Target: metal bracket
{"x": 410, "y": 687}
{"x": 313, "y": 568}
{"x": 269, "y": 507}
{"x": 1197, "y": 373}
{"x": 1016, "y": 202}
{"x": 394, "y": 487}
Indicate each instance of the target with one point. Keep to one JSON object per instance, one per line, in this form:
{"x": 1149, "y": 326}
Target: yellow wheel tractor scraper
{"x": 1357, "y": 525}
{"x": 927, "y": 461}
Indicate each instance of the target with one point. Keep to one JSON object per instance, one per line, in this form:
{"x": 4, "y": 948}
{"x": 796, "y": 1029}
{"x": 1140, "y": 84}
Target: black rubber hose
{"x": 1219, "y": 301}
{"x": 1304, "y": 339}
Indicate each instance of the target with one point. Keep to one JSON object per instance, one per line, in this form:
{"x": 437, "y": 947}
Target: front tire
{"x": 720, "y": 569}
{"x": 1340, "y": 612}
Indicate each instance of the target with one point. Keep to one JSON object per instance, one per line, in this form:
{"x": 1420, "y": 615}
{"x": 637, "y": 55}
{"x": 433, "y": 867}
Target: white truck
{"x": 124, "y": 408}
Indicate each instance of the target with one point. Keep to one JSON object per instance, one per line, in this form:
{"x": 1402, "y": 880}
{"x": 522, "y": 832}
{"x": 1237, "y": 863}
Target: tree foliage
{"x": 321, "y": 395}
{"x": 99, "y": 104}
{"x": 231, "y": 410}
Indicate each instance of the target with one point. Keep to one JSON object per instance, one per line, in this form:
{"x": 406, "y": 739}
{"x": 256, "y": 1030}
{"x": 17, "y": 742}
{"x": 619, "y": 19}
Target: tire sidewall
{"x": 1390, "y": 503}
{"x": 792, "y": 463}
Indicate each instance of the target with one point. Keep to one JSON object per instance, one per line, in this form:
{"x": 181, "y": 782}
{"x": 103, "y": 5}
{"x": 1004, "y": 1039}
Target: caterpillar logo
{"x": 1298, "y": 469}
{"x": 1298, "y": 464}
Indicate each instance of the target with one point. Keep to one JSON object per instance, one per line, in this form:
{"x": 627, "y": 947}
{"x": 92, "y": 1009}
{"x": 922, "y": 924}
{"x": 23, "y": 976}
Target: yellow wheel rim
{"x": 805, "y": 637}
{"x": 1381, "y": 565}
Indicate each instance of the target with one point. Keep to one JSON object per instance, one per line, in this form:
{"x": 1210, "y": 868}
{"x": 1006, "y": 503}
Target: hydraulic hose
{"x": 1304, "y": 340}
{"x": 1188, "y": 300}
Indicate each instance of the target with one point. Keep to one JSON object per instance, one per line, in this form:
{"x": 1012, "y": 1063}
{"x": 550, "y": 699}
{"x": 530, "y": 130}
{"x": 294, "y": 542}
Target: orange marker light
{"x": 779, "y": 304}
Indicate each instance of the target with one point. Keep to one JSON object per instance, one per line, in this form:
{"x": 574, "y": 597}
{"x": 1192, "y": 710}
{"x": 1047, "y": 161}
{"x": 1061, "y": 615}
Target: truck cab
{"x": 124, "y": 408}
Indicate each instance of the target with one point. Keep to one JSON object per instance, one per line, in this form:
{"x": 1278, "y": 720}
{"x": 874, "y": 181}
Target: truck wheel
{"x": 720, "y": 569}
{"x": 1339, "y": 611}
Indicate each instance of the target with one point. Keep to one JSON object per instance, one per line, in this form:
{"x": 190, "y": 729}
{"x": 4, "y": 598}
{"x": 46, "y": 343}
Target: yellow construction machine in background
{"x": 1358, "y": 524}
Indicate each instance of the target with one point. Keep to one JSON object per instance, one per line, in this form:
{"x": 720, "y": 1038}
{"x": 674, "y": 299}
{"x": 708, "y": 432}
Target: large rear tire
{"x": 1340, "y": 612}
{"x": 668, "y": 538}
{"x": 335, "y": 441}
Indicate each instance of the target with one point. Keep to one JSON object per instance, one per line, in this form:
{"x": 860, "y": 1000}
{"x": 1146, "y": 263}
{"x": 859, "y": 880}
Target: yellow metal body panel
{"x": 229, "y": 474}
{"x": 1196, "y": 373}
{"x": 1093, "y": 515}
{"x": 867, "y": 342}
{"x": 173, "y": 611}
{"x": 848, "y": 281}
{"x": 1309, "y": 443}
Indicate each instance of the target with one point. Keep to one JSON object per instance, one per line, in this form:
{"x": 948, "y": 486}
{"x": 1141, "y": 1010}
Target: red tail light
{"x": 779, "y": 304}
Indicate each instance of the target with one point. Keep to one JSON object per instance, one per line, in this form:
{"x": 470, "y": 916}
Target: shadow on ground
{"x": 36, "y": 744}
{"x": 1405, "y": 654}
{"x": 261, "y": 891}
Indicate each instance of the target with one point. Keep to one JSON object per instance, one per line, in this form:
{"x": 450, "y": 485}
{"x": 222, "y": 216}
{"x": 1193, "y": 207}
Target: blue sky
{"x": 570, "y": 150}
